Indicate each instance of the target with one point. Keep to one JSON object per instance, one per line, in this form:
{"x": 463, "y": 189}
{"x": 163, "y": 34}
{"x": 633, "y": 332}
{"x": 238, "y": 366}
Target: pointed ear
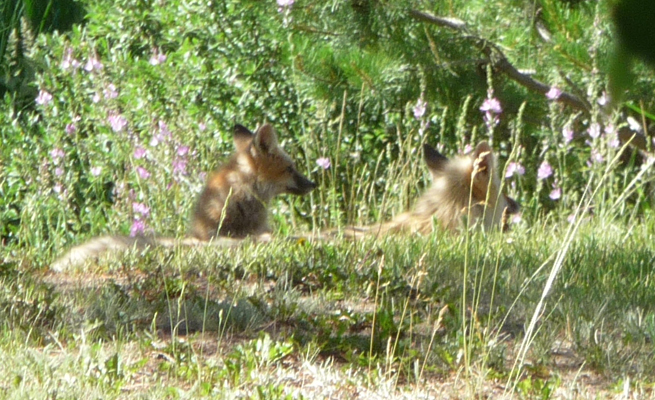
{"x": 242, "y": 137}
{"x": 483, "y": 157}
{"x": 265, "y": 139}
{"x": 436, "y": 161}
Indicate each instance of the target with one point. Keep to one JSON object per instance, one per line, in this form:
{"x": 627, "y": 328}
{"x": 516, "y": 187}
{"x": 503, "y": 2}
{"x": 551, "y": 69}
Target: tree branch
{"x": 495, "y": 56}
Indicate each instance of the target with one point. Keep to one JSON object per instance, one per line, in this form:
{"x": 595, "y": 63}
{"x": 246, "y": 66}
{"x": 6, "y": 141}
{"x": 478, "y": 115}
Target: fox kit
{"x": 465, "y": 186}
{"x": 235, "y": 199}
{"x": 232, "y": 205}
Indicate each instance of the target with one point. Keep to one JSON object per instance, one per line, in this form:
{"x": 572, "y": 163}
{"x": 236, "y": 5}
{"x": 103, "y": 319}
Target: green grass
{"x": 172, "y": 318}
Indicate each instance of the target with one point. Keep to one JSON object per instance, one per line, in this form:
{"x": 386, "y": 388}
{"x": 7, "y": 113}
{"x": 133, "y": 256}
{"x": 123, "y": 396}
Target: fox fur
{"x": 232, "y": 205}
{"x": 465, "y": 187}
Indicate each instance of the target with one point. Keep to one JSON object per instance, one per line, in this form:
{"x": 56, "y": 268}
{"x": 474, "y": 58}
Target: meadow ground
{"x": 557, "y": 311}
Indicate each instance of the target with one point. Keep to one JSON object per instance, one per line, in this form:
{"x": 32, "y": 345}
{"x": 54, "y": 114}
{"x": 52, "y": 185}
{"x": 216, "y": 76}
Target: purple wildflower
{"x": 594, "y": 130}
{"x": 56, "y": 154}
{"x": 69, "y": 61}
{"x": 596, "y": 157}
{"x": 139, "y": 152}
{"x": 59, "y": 171}
{"x": 544, "y": 171}
{"x": 71, "y": 128}
{"x": 138, "y": 227}
{"x": 142, "y": 172}
{"x": 323, "y": 162}
{"x": 110, "y": 91}
{"x": 142, "y": 209}
{"x": 96, "y": 98}
{"x": 282, "y": 4}
{"x": 567, "y": 133}
{"x": 117, "y": 122}
{"x": 182, "y": 151}
{"x": 162, "y": 134}
{"x": 491, "y": 105}
{"x": 514, "y": 168}
{"x": 419, "y": 108}
{"x": 92, "y": 64}
{"x": 156, "y": 57}
{"x": 179, "y": 166}
{"x": 202, "y": 126}
{"x": 553, "y": 94}
{"x": 556, "y": 193}
{"x": 95, "y": 171}
{"x": 44, "y": 98}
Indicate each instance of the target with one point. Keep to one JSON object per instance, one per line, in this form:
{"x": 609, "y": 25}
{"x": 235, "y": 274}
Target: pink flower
{"x": 117, "y": 122}
{"x": 110, "y": 91}
{"x": 142, "y": 209}
{"x": 138, "y": 227}
{"x": 156, "y": 57}
{"x": 604, "y": 99}
{"x": 96, "y": 98}
{"x": 142, "y": 172}
{"x": 571, "y": 218}
{"x": 553, "y": 94}
{"x": 59, "y": 171}
{"x": 202, "y": 126}
{"x": 71, "y": 128}
{"x": 139, "y": 152}
{"x": 567, "y": 133}
{"x": 544, "y": 171}
{"x": 69, "y": 61}
{"x": 491, "y": 105}
{"x": 182, "y": 151}
{"x": 163, "y": 129}
{"x": 92, "y": 64}
{"x": 162, "y": 134}
{"x": 323, "y": 162}
{"x": 95, "y": 171}
{"x": 419, "y": 108}
{"x": 596, "y": 157}
{"x": 44, "y": 98}
{"x": 467, "y": 149}
{"x": 179, "y": 166}
{"x": 514, "y": 168}
{"x": 556, "y": 193}
{"x": 284, "y": 3}
{"x": 594, "y": 130}
{"x": 56, "y": 154}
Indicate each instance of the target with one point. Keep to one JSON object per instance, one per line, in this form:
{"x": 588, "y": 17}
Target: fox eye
{"x": 290, "y": 170}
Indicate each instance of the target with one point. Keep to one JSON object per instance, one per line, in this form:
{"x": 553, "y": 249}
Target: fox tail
{"x": 96, "y": 247}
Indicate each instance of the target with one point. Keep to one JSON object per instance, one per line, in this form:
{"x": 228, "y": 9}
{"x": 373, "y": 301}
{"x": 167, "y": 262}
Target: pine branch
{"x": 498, "y": 60}
{"x": 495, "y": 56}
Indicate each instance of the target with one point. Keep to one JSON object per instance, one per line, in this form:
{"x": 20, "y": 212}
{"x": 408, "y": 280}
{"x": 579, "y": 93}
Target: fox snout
{"x": 300, "y": 185}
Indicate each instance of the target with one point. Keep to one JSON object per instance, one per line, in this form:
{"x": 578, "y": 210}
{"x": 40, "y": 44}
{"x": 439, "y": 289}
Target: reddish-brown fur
{"x": 235, "y": 200}
{"x": 465, "y": 187}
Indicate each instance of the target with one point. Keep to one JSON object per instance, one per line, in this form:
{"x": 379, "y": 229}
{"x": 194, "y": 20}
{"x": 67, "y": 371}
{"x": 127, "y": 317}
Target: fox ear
{"x": 265, "y": 139}
{"x": 483, "y": 157}
{"x": 436, "y": 161}
{"x": 242, "y": 137}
